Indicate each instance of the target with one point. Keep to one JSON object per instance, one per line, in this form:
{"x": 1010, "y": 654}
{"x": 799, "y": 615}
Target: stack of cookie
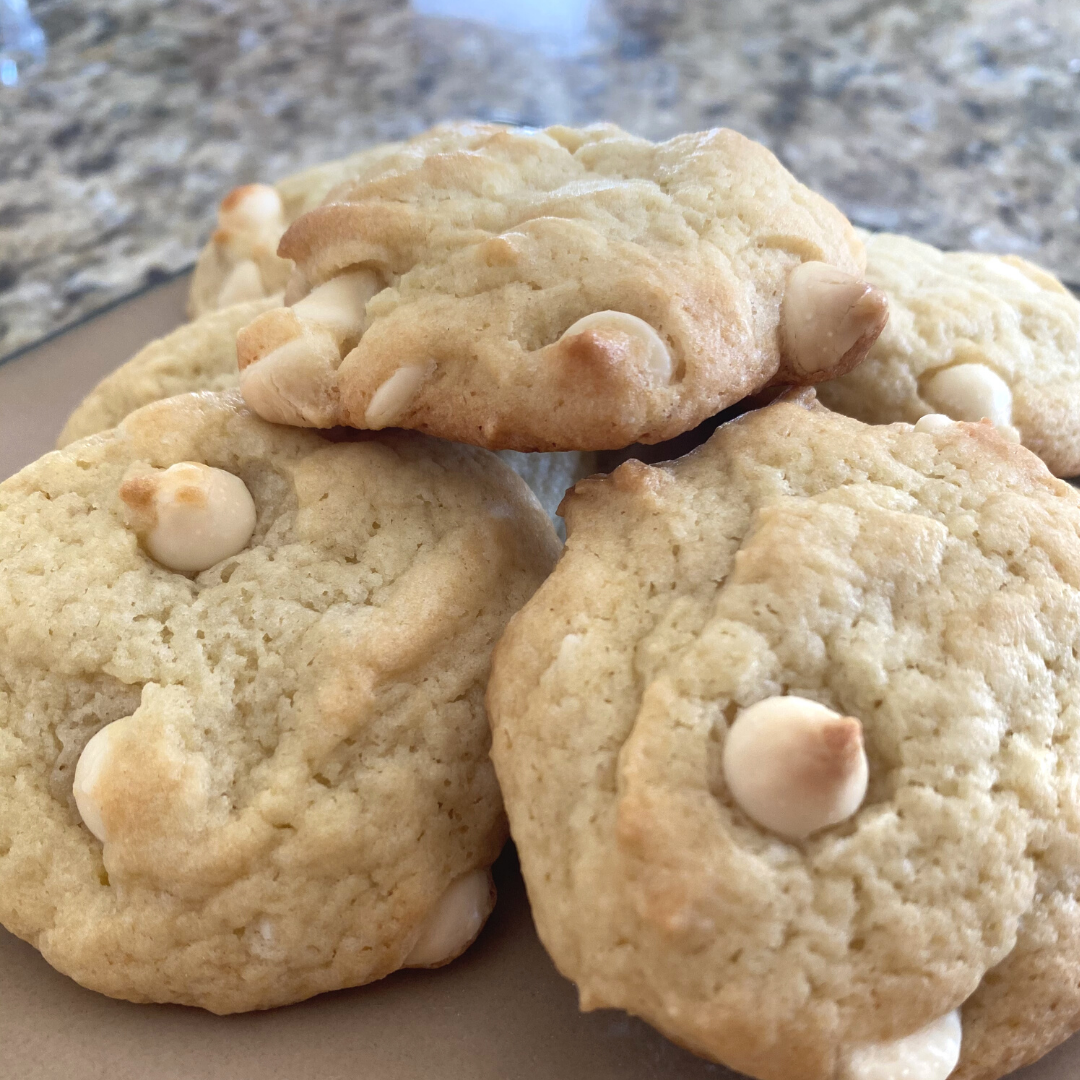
{"x": 788, "y": 736}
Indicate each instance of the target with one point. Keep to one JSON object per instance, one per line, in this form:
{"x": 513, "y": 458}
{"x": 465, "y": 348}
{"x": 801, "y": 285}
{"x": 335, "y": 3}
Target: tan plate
{"x": 501, "y": 1012}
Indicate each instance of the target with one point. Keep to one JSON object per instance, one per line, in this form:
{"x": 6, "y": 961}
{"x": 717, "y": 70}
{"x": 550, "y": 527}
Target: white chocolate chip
{"x": 934, "y": 423}
{"x": 261, "y": 940}
{"x": 456, "y": 919}
{"x": 393, "y": 396}
{"x": 252, "y": 209}
{"x": 277, "y": 389}
{"x": 339, "y": 303}
{"x": 87, "y": 773}
{"x": 970, "y": 392}
{"x": 190, "y": 516}
{"x": 654, "y": 351}
{"x": 243, "y": 283}
{"x": 829, "y": 319}
{"x": 296, "y": 288}
{"x": 288, "y": 369}
{"x": 929, "y": 1054}
{"x": 795, "y": 766}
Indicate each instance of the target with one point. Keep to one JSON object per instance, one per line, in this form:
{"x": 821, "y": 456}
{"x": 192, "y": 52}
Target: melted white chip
{"x": 971, "y": 392}
{"x": 261, "y": 940}
{"x": 87, "y": 774}
{"x": 195, "y": 515}
{"x": 296, "y": 288}
{"x": 454, "y": 922}
{"x": 253, "y": 208}
{"x": 929, "y": 1054}
{"x": 339, "y": 303}
{"x": 243, "y": 283}
{"x": 651, "y": 345}
{"x": 290, "y": 384}
{"x": 934, "y": 423}
{"x": 825, "y": 314}
{"x": 394, "y": 395}
{"x": 795, "y": 766}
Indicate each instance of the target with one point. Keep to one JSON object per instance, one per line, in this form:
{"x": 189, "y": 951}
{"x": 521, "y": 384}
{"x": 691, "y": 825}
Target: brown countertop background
{"x": 952, "y": 120}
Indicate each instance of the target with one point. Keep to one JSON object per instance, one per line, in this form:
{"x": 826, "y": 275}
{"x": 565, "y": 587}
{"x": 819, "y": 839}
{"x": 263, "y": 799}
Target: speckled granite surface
{"x": 954, "y": 121}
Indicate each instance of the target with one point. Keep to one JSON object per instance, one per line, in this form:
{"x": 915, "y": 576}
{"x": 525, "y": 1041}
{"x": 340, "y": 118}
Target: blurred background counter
{"x": 123, "y": 122}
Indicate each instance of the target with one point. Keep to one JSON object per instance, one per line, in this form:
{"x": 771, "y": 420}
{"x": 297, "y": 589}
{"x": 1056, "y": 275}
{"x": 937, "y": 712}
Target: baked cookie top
{"x": 558, "y": 290}
{"x": 971, "y": 335}
{"x": 200, "y": 355}
{"x": 282, "y": 742}
{"x": 790, "y": 743}
{"x": 240, "y": 260}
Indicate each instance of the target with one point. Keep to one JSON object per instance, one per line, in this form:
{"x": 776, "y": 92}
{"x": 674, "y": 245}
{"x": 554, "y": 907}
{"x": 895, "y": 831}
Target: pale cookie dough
{"x": 971, "y": 335}
{"x": 201, "y": 355}
{"x": 240, "y": 787}
{"x": 240, "y": 260}
{"x": 920, "y": 592}
{"x": 558, "y": 290}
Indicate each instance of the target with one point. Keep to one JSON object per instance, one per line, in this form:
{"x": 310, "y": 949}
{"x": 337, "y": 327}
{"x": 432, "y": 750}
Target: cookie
{"x": 201, "y": 355}
{"x": 243, "y": 746}
{"x": 240, "y": 260}
{"x": 790, "y": 747}
{"x": 558, "y": 290}
{"x": 971, "y": 335}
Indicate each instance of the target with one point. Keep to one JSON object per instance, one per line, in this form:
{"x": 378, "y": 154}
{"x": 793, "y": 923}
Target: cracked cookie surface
{"x": 557, "y": 290}
{"x": 1010, "y": 329}
{"x": 927, "y": 585}
{"x": 297, "y": 755}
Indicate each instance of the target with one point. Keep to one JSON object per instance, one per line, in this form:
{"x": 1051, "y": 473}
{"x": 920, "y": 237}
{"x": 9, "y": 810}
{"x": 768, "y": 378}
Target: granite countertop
{"x": 952, "y": 120}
